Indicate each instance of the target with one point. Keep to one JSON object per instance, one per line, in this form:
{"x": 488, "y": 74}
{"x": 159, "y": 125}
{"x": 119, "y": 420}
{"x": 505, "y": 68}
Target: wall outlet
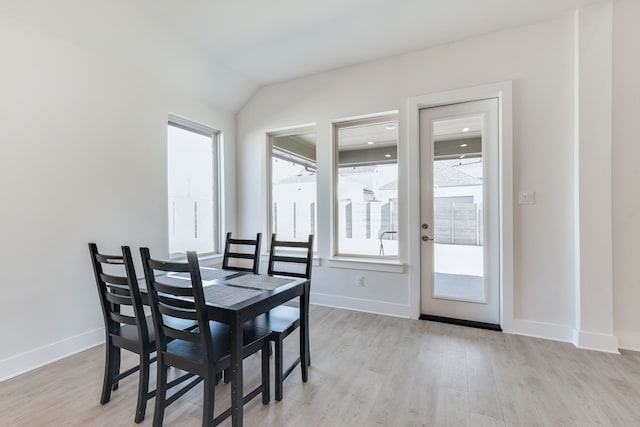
{"x": 526, "y": 198}
{"x": 360, "y": 281}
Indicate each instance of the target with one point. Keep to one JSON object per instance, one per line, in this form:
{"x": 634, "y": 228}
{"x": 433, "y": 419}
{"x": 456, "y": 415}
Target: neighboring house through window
{"x": 367, "y": 187}
{"x": 293, "y": 184}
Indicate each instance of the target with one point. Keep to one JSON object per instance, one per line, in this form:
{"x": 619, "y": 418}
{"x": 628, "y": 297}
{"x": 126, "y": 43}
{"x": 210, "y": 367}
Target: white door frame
{"x": 502, "y": 91}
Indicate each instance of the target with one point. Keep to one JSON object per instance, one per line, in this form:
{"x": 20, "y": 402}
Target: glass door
{"x": 459, "y": 212}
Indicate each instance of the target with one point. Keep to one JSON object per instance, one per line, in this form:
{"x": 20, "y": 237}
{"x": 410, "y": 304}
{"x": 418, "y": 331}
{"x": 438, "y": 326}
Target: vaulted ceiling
{"x": 270, "y": 41}
{"x": 251, "y": 43}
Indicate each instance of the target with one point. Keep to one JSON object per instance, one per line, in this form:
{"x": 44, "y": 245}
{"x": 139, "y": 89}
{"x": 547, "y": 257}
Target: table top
{"x": 234, "y": 291}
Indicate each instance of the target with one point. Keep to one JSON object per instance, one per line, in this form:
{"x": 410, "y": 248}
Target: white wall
{"x": 83, "y": 158}
{"x": 561, "y": 73}
{"x": 539, "y": 60}
{"x": 593, "y": 191}
{"x": 626, "y": 172}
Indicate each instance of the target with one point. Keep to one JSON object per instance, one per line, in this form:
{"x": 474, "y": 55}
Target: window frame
{"x": 270, "y": 136}
{"x": 337, "y": 256}
{"x": 216, "y": 150}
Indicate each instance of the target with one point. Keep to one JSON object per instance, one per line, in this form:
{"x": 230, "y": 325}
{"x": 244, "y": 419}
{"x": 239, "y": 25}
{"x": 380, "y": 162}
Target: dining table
{"x": 235, "y": 297}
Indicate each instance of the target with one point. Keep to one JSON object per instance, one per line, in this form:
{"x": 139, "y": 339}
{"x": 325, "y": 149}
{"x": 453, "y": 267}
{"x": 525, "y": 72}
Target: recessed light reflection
{"x": 370, "y": 142}
{"x": 463, "y": 145}
{"x": 465, "y": 129}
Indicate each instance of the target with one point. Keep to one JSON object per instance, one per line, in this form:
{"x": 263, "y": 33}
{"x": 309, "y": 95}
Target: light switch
{"x": 526, "y": 198}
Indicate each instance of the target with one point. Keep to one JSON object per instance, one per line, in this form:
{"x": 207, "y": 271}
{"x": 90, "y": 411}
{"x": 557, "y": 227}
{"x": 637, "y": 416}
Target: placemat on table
{"x": 226, "y": 295}
{"x": 258, "y": 281}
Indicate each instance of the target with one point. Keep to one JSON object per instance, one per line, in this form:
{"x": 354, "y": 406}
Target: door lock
{"x": 426, "y": 238}
{"x": 425, "y": 226}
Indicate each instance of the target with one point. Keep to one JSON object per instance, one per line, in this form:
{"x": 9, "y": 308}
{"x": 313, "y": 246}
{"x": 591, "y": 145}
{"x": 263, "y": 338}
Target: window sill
{"x": 386, "y": 265}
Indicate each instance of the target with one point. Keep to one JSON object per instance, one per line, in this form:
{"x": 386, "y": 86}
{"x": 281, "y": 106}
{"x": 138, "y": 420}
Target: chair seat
{"x": 280, "y": 320}
{"x": 220, "y": 335}
{"x": 130, "y": 332}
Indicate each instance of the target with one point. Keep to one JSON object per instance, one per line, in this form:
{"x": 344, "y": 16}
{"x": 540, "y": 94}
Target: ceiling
{"x": 225, "y": 50}
{"x": 276, "y": 40}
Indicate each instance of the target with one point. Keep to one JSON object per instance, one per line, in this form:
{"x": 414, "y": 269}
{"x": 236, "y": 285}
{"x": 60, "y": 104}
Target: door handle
{"x": 426, "y": 238}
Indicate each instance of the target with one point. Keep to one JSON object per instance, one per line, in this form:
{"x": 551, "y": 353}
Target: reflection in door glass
{"x": 458, "y": 209}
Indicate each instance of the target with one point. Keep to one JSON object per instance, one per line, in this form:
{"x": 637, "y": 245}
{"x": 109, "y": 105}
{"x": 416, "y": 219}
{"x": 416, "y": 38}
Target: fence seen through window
{"x": 367, "y": 187}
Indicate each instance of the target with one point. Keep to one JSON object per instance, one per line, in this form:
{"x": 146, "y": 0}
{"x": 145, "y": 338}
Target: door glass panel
{"x": 458, "y": 209}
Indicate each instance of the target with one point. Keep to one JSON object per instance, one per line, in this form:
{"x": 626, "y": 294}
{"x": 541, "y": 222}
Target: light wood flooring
{"x": 370, "y": 370}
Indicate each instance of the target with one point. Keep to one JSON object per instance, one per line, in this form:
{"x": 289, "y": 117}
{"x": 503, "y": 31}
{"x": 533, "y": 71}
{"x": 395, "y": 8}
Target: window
{"x": 367, "y": 187}
{"x": 293, "y": 184}
{"x": 193, "y": 187}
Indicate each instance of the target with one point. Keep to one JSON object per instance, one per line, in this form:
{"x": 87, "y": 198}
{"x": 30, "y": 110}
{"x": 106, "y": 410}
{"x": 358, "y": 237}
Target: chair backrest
{"x": 243, "y": 250}
{"x": 174, "y": 299}
{"x": 287, "y": 258}
{"x": 117, "y": 287}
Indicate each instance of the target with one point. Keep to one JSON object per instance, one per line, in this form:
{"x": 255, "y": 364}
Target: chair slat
{"x": 165, "y": 288}
{"x": 109, "y": 259}
{"x": 240, "y": 255}
{"x": 110, "y": 279}
{"x": 122, "y": 318}
{"x": 118, "y": 299}
{"x": 168, "y": 266}
{"x": 283, "y": 244}
{"x": 242, "y": 242}
{"x": 174, "y": 311}
{"x": 281, "y": 258}
{"x": 178, "y": 334}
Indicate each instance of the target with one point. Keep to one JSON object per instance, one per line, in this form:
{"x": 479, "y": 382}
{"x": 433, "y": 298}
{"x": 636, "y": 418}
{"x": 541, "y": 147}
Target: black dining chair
{"x": 292, "y": 259}
{"x": 204, "y": 351}
{"x": 239, "y": 251}
{"x": 133, "y": 332}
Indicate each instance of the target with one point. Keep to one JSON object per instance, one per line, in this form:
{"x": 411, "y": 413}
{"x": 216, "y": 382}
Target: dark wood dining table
{"x": 236, "y": 297}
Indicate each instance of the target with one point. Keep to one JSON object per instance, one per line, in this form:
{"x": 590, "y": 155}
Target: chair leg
{"x": 161, "y": 395}
{"x": 143, "y": 387}
{"x": 208, "y": 402}
{"x": 116, "y": 366}
{"x": 266, "y": 385}
{"x": 279, "y": 363}
{"x": 107, "y": 382}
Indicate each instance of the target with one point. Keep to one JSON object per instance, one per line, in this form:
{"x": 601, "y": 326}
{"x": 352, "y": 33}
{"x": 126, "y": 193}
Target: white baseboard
{"x": 628, "y": 340}
{"x": 368, "y": 306}
{"x": 33, "y": 359}
{"x": 596, "y": 341}
{"x": 549, "y": 331}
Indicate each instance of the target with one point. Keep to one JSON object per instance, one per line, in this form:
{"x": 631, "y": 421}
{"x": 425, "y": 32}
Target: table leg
{"x": 304, "y": 332}
{"x": 237, "y": 392}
